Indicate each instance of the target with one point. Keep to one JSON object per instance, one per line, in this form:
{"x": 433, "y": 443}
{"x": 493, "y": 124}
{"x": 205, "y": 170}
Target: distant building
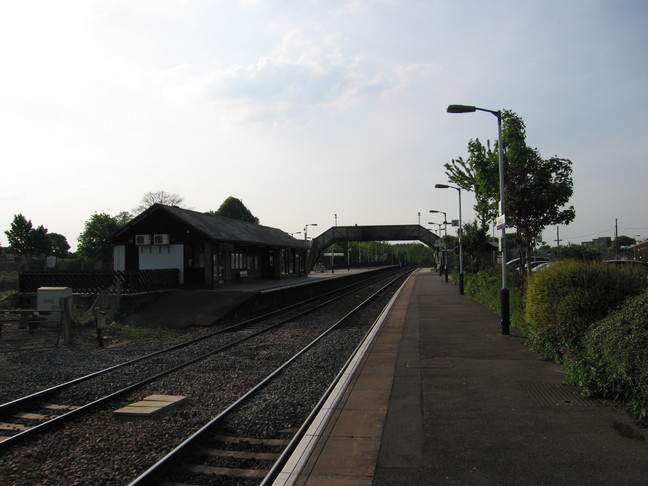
{"x": 208, "y": 250}
{"x": 640, "y": 251}
{"x": 602, "y": 243}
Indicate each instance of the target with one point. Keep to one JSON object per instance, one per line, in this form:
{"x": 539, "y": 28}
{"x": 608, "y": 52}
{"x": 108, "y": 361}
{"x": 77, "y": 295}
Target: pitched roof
{"x": 218, "y": 228}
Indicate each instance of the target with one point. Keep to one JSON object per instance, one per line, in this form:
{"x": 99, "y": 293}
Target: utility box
{"x": 48, "y": 300}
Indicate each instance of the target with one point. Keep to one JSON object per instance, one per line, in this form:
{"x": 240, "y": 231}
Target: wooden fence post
{"x": 100, "y": 322}
{"x": 66, "y": 319}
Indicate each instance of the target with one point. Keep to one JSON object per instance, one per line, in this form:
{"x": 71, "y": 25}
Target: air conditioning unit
{"x": 160, "y": 239}
{"x": 141, "y": 240}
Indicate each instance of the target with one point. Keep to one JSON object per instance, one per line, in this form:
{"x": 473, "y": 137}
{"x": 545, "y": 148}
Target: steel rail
{"x": 151, "y": 475}
{"x": 13, "y": 404}
{"x": 301, "y": 432}
{"x": 10, "y": 441}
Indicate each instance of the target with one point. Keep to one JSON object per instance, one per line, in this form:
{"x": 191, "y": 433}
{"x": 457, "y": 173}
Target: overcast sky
{"x": 307, "y": 109}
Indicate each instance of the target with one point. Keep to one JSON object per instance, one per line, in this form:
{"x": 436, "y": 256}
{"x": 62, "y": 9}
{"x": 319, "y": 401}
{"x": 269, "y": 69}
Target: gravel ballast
{"x": 104, "y": 449}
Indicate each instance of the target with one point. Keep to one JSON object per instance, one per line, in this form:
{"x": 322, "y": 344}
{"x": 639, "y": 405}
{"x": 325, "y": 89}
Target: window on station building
{"x": 291, "y": 260}
{"x": 239, "y": 261}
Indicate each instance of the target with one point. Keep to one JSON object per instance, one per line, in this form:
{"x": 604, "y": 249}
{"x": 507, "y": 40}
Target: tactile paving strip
{"x": 430, "y": 363}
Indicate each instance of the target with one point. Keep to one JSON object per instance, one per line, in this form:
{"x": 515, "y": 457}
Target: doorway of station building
{"x": 269, "y": 265}
{"x": 218, "y": 267}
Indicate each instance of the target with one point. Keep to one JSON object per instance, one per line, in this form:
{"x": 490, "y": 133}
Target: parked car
{"x": 515, "y": 263}
{"x": 624, "y": 263}
{"x": 541, "y": 265}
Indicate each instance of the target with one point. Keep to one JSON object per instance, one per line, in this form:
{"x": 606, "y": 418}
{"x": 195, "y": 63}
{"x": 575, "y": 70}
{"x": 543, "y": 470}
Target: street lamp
{"x": 442, "y": 251}
{"x": 461, "y": 275}
{"x": 445, "y": 244}
{"x": 297, "y": 233}
{"x": 445, "y": 217}
{"x": 306, "y": 230}
{"x": 504, "y": 294}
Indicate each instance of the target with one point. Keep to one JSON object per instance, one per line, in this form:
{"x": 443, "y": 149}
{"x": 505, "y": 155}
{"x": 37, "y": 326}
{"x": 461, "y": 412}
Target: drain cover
{"x": 546, "y": 394}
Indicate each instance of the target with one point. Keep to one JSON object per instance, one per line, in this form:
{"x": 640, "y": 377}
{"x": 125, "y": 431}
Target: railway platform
{"x": 440, "y": 396}
{"x": 181, "y": 309}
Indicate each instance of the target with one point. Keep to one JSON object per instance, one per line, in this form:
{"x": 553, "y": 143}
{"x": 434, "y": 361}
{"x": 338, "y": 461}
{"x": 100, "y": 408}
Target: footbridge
{"x": 340, "y": 234}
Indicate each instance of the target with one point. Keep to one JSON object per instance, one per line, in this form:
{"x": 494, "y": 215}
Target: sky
{"x": 315, "y": 111}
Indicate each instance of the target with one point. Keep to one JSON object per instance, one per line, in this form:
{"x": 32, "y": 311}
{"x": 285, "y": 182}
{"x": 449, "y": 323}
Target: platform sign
{"x": 500, "y": 222}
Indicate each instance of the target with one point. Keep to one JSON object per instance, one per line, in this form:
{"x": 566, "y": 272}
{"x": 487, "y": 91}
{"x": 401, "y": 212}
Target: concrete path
{"x": 461, "y": 404}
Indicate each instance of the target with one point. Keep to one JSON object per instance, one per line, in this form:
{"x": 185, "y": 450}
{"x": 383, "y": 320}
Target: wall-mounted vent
{"x": 141, "y": 240}
{"x": 160, "y": 239}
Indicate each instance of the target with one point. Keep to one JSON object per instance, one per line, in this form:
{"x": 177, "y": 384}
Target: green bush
{"x": 563, "y": 300}
{"x": 8, "y": 281}
{"x": 614, "y": 359}
{"x": 9, "y": 299}
{"x": 485, "y": 287}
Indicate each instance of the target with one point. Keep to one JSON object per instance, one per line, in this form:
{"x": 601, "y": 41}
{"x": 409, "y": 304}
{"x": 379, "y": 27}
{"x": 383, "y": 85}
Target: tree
{"x": 476, "y": 246}
{"x": 26, "y": 240}
{"x": 123, "y": 217}
{"x": 42, "y": 245}
{"x": 58, "y": 244}
{"x": 621, "y": 241}
{"x": 579, "y": 252}
{"x": 92, "y": 242}
{"x": 536, "y": 189}
{"x": 159, "y": 197}
{"x": 235, "y": 209}
{"x": 19, "y": 236}
{"x": 477, "y": 174}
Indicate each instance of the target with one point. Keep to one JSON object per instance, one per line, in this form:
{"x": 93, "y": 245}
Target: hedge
{"x": 565, "y": 299}
{"x": 613, "y": 360}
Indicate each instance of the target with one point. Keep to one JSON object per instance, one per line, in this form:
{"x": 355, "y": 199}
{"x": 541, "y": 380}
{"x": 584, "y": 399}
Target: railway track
{"x": 231, "y": 448}
{"x": 28, "y": 416}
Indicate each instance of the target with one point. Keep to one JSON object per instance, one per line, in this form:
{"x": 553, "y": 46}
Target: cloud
{"x": 303, "y": 76}
{"x": 300, "y": 75}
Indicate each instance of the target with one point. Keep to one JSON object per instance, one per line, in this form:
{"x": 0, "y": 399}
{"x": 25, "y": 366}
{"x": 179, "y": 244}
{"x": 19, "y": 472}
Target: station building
{"x": 208, "y": 250}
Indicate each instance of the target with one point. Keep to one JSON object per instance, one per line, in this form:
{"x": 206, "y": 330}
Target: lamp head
{"x": 461, "y": 109}
{"x": 441, "y": 186}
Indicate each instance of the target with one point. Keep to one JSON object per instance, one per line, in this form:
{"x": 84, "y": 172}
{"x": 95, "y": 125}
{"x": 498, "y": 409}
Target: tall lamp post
{"x": 504, "y": 294}
{"x": 445, "y": 249}
{"x": 442, "y": 252}
{"x": 461, "y": 274}
{"x": 306, "y": 230}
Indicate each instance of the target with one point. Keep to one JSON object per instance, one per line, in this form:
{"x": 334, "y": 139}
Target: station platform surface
{"x": 442, "y": 397}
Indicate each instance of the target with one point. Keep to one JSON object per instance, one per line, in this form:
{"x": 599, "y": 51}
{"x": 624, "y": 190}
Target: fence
{"x": 125, "y": 282}
{"x": 29, "y": 329}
